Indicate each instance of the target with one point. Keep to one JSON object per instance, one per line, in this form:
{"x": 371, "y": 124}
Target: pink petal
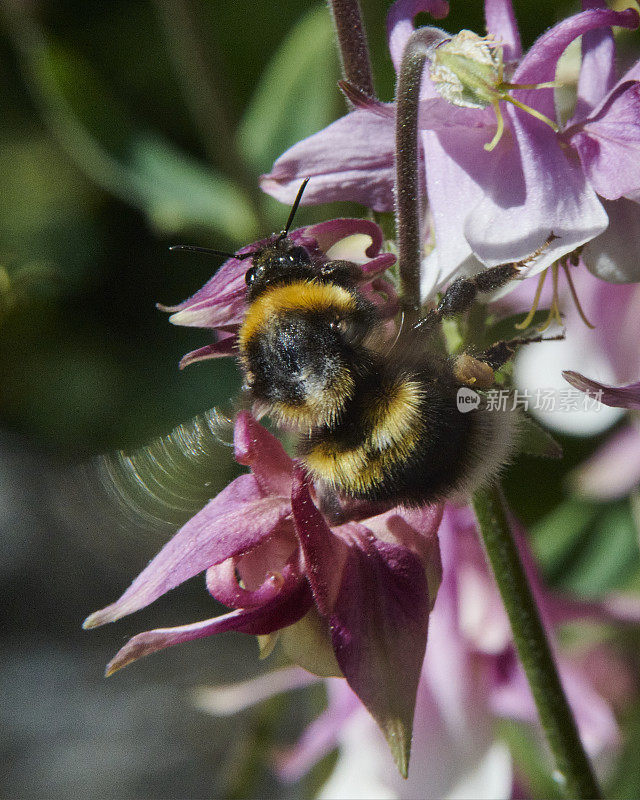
{"x": 352, "y": 159}
{"x": 290, "y": 605}
{"x": 324, "y": 553}
{"x": 612, "y": 256}
{"x": 378, "y": 629}
{"x": 617, "y": 396}
{"x": 598, "y": 69}
{"x": 225, "y": 346}
{"x": 400, "y": 23}
{"x": 536, "y": 191}
{"x": 501, "y": 22}
{"x": 608, "y": 143}
{"x": 539, "y": 63}
{"x": 233, "y": 522}
{"x": 614, "y": 469}
{"x": 255, "y": 447}
{"x": 222, "y": 583}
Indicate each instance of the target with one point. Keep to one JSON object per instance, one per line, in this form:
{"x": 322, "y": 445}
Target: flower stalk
{"x": 573, "y": 766}
{"x": 352, "y": 44}
{"x": 419, "y": 47}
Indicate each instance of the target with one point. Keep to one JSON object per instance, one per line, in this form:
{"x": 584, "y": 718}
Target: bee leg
{"x": 461, "y": 294}
{"x": 473, "y": 371}
{"x": 498, "y": 354}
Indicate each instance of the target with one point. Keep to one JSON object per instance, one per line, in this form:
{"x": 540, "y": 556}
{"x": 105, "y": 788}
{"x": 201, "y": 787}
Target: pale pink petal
{"x": 322, "y": 735}
{"x": 351, "y": 159}
{"x": 290, "y": 605}
{"x": 594, "y": 717}
{"x": 232, "y": 523}
{"x": 539, "y": 63}
{"x": 255, "y": 447}
{"x": 231, "y": 698}
{"x": 501, "y": 22}
{"x": 617, "y": 396}
{"x": 536, "y": 191}
{"x": 598, "y": 68}
{"x": 614, "y": 469}
{"x": 400, "y": 23}
{"x": 608, "y": 143}
{"x": 612, "y": 256}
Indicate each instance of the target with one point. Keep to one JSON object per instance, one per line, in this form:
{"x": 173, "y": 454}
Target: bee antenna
{"x": 210, "y": 251}
{"x": 294, "y": 208}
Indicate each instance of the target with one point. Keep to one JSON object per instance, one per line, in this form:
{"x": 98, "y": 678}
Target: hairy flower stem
{"x": 352, "y": 44}
{"x": 533, "y": 647}
{"x": 408, "y": 209}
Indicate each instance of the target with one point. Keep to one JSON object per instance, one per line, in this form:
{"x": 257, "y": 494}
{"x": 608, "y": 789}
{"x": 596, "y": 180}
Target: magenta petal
{"x": 372, "y": 269}
{"x": 379, "y": 632}
{"x": 332, "y": 231}
{"x": 255, "y": 447}
{"x": 287, "y": 607}
{"x": 539, "y": 63}
{"x": 230, "y": 524}
{"x": 324, "y": 553}
{"x": 617, "y": 396}
{"x": 608, "y": 143}
{"x": 351, "y": 159}
{"x": 501, "y": 22}
{"x": 222, "y": 583}
{"x": 225, "y": 346}
{"x": 400, "y": 22}
{"x": 598, "y": 68}
{"x": 220, "y": 302}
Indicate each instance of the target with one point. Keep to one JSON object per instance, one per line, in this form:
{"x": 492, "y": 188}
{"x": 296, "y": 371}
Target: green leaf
{"x": 175, "y": 191}
{"x": 297, "y": 94}
{"x": 556, "y": 536}
{"x": 534, "y": 440}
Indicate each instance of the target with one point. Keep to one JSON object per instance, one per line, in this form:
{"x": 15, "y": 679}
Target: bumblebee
{"x": 375, "y": 421}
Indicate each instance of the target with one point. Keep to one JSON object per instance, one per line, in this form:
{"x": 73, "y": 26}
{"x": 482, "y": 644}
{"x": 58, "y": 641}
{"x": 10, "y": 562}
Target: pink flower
{"x": 471, "y": 675}
{"x": 498, "y": 206}
{"x": 270, "y": 555}
{"x": 221, "y": 303}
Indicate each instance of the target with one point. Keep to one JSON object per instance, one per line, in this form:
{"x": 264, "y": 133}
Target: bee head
{"x": 300, "y": 347}
{"x": 277, "y": 263}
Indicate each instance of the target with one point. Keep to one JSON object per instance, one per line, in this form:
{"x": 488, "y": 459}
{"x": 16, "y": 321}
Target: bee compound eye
{"x": 340, "y": 325}
{"x": 252, "y": 274}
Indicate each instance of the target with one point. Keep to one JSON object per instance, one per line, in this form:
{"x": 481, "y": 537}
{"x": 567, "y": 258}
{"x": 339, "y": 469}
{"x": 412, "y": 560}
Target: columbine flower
{"x": 470, "y": 676}
{"x": 270, "y": 555}
{"x": 221, "y": 303}
{"x": 499, "y": 205}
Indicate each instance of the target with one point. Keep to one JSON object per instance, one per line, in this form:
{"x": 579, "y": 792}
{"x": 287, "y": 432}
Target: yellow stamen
{"x": 534, "y": 113}
{"x": 536, "y": 300}
{"x": 574, "y": 294}
{"x": 554, "y": 311}
{"x": 499, "y": 130}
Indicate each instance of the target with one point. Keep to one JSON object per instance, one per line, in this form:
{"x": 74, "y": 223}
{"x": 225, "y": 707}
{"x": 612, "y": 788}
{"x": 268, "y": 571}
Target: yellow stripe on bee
{"x": 296, "y": 296}
{"x": 396, "y": 428}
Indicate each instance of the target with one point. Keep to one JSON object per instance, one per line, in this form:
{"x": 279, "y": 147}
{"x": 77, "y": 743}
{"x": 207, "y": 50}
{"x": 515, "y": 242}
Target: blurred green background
{"x": 127, "y": 127}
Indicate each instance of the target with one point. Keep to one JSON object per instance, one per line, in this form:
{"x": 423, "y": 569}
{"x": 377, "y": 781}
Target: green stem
{"x": 533, "y": 647}
{"x": 352, "y": 44}
{"x": 408, "y": 207}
